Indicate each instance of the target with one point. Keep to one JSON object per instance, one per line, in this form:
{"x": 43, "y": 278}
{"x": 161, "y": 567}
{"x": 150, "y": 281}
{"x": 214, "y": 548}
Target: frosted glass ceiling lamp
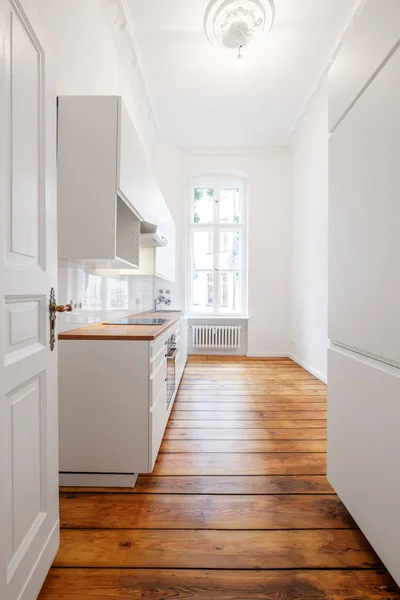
{"x": 234, "y": 24}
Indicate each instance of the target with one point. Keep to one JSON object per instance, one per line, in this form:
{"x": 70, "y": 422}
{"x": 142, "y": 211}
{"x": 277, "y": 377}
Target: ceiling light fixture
{"x": 234, "y": 24}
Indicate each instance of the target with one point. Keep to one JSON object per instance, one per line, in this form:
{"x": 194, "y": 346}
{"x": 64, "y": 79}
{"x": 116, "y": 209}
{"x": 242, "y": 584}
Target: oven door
{"x": 171, "y": 355}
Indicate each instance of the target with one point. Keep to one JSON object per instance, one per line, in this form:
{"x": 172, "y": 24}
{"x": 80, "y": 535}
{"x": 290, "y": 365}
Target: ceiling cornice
{"x": 231, "y": 150}
{"x": 120, "y": 19}
{"x": 354, "y": 13}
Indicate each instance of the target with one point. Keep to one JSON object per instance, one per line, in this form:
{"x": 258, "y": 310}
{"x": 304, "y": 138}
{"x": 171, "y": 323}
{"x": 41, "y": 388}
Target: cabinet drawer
{"x": 158, "y": 423}
{"x": 157, "y": 359}
{"x": 157, "y": 381}
{"x": 157, "y": 345}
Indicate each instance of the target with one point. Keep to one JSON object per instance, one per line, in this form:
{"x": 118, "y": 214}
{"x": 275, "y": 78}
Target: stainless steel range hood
{"x": 151, "y": 236}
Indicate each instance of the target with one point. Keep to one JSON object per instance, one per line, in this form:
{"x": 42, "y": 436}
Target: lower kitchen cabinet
{"x": 115, "y": 399}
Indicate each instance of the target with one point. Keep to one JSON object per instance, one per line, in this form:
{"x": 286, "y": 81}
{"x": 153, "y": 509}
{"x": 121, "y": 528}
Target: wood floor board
{"x": 244, "y": 399}
{"x": 235, "y": 446}
{"x": 218, "y": 393}
{"x": 166, "y": 584}
{"x": 263, "y": 417}
{"x": 234, "y": 484}
{"x": 245, "y": 464}
{"x": 182, "y": 404}
{"x": 251, "y": 390}
{"x": 215, "y": 423}
{"x": 202, "y": 386}
{"x": 200, "y": 433}
{"x": 329, "y": 549}
{"x": 159, "y": 511}
{"x": 238, "y": 506}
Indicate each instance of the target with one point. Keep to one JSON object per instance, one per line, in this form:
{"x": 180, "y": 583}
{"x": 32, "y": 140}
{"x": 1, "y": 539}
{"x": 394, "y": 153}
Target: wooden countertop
{"x": 98, "y": 331}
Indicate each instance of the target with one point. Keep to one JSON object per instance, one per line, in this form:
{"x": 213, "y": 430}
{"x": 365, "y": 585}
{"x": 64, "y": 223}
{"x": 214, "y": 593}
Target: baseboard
{"x": 98, "y": 479}
{"x": 308, "y": 368}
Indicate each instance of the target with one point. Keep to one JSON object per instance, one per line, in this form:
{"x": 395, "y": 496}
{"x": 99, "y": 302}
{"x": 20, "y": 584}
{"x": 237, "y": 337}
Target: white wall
{"x": 268, "y": 172}
{"x": 309, "y": 252}
{"x": 88, "y": 60}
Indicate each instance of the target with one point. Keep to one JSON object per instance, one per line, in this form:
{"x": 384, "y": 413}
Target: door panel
{"x": 24, "y": 327}
{"x": 364, "y": 447}
{"x": 28, "y": 369}
{"x": 364, "y": 221}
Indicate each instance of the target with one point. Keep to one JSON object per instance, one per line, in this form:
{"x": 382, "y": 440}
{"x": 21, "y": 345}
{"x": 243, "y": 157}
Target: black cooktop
{"x": 128, "y": 321}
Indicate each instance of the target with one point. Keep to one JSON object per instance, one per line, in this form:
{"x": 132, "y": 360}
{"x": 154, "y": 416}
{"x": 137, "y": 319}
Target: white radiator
{"x": 220, "y": 337}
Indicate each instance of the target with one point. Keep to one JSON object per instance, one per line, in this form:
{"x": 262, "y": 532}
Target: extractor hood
{"x": 151, "y": 236}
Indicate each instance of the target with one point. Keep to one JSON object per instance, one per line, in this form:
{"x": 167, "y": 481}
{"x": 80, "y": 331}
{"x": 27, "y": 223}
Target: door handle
{"x": 54, "y": 308}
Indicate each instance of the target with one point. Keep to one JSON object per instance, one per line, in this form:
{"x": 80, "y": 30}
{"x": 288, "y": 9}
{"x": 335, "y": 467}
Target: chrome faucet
{"x": 161, "y": 299}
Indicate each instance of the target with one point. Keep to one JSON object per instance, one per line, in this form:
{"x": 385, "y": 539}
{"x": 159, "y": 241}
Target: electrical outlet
{"x": 76, "y": 305}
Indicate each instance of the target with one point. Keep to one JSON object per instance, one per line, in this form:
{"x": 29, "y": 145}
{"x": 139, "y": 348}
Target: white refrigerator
{"x": 364, "y": 277}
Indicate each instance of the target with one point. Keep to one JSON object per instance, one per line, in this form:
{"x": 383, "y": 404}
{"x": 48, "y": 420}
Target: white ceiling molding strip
{"x": 120, "y": 19}
{"x": 230, "y": 150}
{"x": 316, "y": 89}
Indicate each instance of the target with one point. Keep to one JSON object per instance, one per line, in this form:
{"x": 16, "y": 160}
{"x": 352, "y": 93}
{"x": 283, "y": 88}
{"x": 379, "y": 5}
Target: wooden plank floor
{"x": 238, "y": 506}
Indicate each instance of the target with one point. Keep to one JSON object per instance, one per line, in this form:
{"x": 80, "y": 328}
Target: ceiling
{"x": 203, "y": 97}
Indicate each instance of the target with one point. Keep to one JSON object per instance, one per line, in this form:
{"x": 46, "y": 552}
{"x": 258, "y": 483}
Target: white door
{"x": 28, "y": 368}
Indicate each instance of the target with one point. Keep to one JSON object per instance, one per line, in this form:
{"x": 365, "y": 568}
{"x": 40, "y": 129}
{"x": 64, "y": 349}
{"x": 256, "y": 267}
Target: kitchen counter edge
{"x": 101, "y": 332}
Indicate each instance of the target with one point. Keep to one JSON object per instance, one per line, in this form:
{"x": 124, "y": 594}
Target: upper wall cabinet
{"x": 165, "y": 257}
{"x": 136, "y": 182}
{"x": 364, "y": 219}
{"x": 159, "y": 262}
{"x": 105, "y": 186}
{"x": 365, "y": 48}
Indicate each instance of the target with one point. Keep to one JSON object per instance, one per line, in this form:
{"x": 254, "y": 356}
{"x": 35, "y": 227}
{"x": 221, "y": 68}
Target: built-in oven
{"x": 172, "y": 352}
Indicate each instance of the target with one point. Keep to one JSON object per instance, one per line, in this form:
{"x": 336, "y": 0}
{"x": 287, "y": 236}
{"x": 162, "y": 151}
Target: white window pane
{"x": 229, "y": 205}
{"x": 203, "y": 205}
{"x": 92, "y": 298}
{"x": 203, "y": 250}
{"x": 202, "y": 291}
{"x": 117, "y": 296}
{"x": 230, "y": 250}
{"x": 230, "y": 292}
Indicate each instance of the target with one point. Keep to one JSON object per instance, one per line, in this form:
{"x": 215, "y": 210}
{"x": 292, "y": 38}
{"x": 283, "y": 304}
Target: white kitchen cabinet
{"x": 364, "y": 218}
{"x": 105, "y": 184}
{"x": 113, "y": 406}
{"x": 182, "y": 347}
{"x": 165, "y": 256}
{"x": 365, "y": 49}
{"x": 159, "y": 262}
{"x": 364, "y": 283}
{"x": 364, "y": 446}
{"x": 136, "y": 181}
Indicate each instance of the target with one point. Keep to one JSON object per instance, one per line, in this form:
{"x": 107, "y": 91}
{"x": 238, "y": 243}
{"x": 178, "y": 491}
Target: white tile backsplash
{"x": 103, "y": 297}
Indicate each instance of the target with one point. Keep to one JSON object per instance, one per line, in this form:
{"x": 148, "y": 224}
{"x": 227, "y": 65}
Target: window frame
{"x": 217, "y": 183}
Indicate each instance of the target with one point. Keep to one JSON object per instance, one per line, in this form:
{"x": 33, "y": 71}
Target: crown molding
{"x": 317, "y": 88}
{"x": 120, "y": 20}
{"x": 231, "y": 150}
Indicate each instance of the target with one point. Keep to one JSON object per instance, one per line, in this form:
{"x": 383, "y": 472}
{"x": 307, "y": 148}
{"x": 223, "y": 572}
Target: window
{"x": 223, "y": 294}
{"x": 217, "y": 247}
{"x": 210, "y": 289}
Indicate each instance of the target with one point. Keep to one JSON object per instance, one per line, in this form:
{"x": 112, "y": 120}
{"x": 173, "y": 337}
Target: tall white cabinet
{"x": 364, "y": 277}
